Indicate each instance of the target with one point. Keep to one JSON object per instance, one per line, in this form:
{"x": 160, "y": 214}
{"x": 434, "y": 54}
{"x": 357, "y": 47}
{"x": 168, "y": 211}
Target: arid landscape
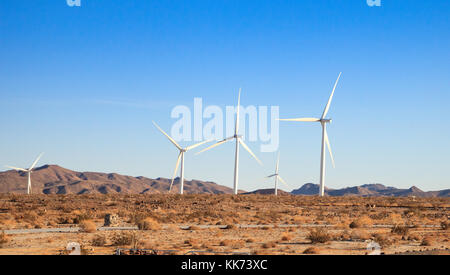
{"x": 211, "y": 224}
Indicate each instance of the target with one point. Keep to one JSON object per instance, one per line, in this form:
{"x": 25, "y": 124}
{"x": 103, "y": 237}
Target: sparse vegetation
{"x": 318, "y": 235}
{"x": 88, "y": 226}
{"x": 427, "y": 241}
{"x": 123, "y": 238}
{"x": 98, "y": 240}
{"x": 400, "y": 230}
{"x": 311, "y": 250}
{"x": 148, "y": 224}
{"x": 311, "y": 221}
{"x": 4, "y": 239}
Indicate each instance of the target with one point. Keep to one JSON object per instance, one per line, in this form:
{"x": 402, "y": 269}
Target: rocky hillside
{"x": 370, "y": 190}
{"x": 53, "y": 179}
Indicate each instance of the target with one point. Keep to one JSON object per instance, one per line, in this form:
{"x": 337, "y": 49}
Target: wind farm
{"x": 192, "y": 128}
{"x": 138, "y": 215}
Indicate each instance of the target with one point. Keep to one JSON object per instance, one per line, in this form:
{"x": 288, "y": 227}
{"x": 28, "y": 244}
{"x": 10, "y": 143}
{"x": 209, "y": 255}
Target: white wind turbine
{"x": 277, "y": 176}
{"x": 28, "y": 171}
{"x": 180, "y": 157}
{"x": 323, "y": 121}
{"x": 239, "y": 140}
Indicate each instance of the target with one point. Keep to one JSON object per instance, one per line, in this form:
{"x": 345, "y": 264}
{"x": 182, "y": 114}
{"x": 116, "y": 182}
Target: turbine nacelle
{"x": 326, "y": 120}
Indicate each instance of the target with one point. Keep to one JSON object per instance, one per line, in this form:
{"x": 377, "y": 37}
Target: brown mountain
{"x": 53, "y": 179}
{"x": 371, "y": 190}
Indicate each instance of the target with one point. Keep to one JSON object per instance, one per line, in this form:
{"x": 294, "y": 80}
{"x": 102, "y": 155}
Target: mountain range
{"x": 53, "y": 179}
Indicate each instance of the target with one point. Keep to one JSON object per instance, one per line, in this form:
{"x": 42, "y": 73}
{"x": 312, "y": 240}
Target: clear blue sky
{"x": 83, "y": 84}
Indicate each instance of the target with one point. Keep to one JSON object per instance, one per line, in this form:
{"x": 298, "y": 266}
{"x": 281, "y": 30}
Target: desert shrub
{"x": 269, "y": 245}
{"x": 98, "y": 240}
{"x": 225, "y": 243}
{"x": 360, "y": 234}
{"x": 64, "y": 220}
{"x": 148, "y": 224}
{"x": 413, "y": 237}
{"x": 382, "y": 240}
{"x": 4, "y": 239}
{"x": 137, "y": 217}
{"x": 83, "y": 217}
{"x": 88, "y": 226}
{"x": 311, "y": 250}
{"x": 400, "y": 230}
{"x": 395, "y": 218}
{"x": 191, "y": 242}
{"x": 354, "y": 224}
{"x": 230, "y": 226}
{"x": 361, "y": 222}
{"x": 286, "y": 236}
{"x": 30, "y": 217}
{"x": 125, "y": 238}
{"x": 427, "y": 241}
{"x": 318, "y": 235}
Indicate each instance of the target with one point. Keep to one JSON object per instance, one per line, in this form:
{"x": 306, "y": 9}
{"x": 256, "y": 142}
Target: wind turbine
{"x": 239, "y": 140}
{"x": 180, "y": 157}
{"x": 29, "y": 170}
{"x": 277, "y": 176}
{"x": 323, "y": 121}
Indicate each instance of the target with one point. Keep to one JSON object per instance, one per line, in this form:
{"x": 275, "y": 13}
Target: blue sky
{"x": 83, "y": 84}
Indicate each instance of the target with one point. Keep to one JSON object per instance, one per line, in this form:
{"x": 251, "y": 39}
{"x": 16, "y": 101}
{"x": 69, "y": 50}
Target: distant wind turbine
{"x": 323, "y": 121}
{"x": 239, "y": 140}
{"x": 29, "y": 170}
{"x": 277, "y": 176}
{"x": 180, "y": 157}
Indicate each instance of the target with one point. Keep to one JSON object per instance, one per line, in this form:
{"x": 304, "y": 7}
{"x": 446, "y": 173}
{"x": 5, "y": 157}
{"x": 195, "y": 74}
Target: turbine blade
{"x": 327, "y": 141}
{"x": 17, "y": 169}
{"x": 198, "y": 144}
{"x": 175, "y": 171}
{"x": 215, "y": 145}
{"x": 278, "y": 162}
{"x": 236, "y": 129}
{"x": 282, "y": 180}
{"x": 250, "y": 151}
{"x": 36, "y": 161}
{"x": 325, "y": 111}
{"x": 171, "y": 139}
{"x": 305, "y": 119}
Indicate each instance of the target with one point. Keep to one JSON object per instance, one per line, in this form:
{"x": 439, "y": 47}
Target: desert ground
{"x": 223, "y": 224}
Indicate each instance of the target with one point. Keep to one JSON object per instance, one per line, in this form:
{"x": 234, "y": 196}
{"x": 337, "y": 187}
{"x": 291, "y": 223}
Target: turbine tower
{"x": 239, "y": 141}
{"x": 277, "y": 176}
{"x": 323, "y": 121}
{"x": 180, "y": 157}
{"x": 28, "y": 171}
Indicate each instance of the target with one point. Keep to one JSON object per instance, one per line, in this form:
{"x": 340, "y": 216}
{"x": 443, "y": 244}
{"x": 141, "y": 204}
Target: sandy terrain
{"x": 254, "y": 224}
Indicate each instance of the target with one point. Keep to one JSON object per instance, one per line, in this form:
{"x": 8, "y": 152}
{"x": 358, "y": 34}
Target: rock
{"x": 111, "y": 220}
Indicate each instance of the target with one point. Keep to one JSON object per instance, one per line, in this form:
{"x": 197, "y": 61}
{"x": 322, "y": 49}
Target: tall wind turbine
{"x": 323, "y": 121}
{"x": 28, "y": 171}
{"x": 239, "y": 140}
{"x": 277, "y": 176}
{"x": 180, "y": 157}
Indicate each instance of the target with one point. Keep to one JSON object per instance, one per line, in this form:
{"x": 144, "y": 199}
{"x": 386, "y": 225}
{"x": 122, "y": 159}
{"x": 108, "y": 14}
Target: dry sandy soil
{"x": 220, "y": 224}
